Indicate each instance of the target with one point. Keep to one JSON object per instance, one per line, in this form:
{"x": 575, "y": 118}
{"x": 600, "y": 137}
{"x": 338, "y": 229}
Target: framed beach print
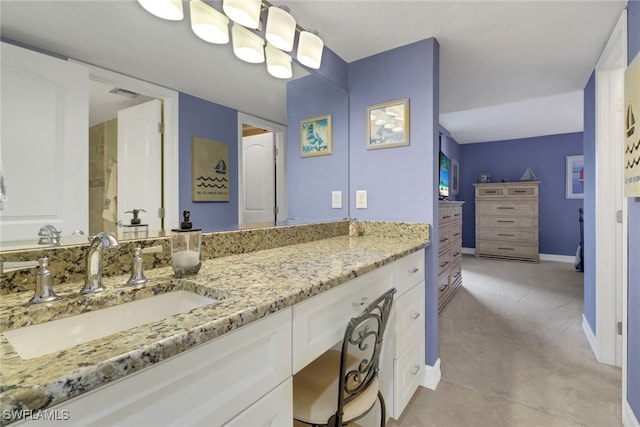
{"x": 315, "y": 136}
{"x": 455, "y": 177}
{"x": 575, "y": 177}
{"x": 388, "y": 124}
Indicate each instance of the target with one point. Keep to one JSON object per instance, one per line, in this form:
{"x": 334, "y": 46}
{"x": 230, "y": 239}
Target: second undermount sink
{"x": 49, "y": 337}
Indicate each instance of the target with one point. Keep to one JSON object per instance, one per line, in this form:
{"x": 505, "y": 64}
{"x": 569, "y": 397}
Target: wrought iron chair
{"x": 340, "y": 387}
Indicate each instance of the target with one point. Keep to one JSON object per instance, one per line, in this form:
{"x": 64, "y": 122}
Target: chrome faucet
{"x": 49, "y": 235}
{"x": 93, "y": 264}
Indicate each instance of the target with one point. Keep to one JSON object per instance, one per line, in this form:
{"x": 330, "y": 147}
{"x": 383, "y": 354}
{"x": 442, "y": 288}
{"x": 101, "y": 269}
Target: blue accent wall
{"x": 206, "y": 119}
{"x": 633, "y": 321}
{"x": 400, "y": 182}
{"x": 310, "y": 180}
{"x": 506, "y": 161}
{"x": 589, "y": 149}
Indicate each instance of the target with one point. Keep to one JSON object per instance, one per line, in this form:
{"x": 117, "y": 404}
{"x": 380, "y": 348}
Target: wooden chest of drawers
{"x": 507, "y": 220}
{"x": 449, "y": 251}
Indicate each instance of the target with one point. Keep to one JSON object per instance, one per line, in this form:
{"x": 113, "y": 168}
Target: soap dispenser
{"x": 185, "y": 248}
{"x": 135, "y": 230}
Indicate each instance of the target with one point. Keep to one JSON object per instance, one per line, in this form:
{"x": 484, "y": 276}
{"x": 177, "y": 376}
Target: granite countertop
{"x": 247, "y": 287}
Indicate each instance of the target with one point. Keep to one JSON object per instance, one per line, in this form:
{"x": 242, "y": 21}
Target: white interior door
{"x": 259, "y": 178}
{"x": 44, "y": 122}
{"x": 140, "y": 163}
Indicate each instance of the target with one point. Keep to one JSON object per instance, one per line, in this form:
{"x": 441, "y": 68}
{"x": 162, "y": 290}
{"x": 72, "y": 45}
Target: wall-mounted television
{"x": 443, "y": 185}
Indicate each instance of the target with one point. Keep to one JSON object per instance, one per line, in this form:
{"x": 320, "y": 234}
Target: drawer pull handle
{"x": 502, "y": 220}
{"x": 457, "y": 214}
{"x": 443, "y": 287}
{"x": 443, "y": 240}
{"x": 490, "y": 191}
{"x": 456, "y": 254}
{"x": 456, "y": 234}
{"x": 442, "y": 265}
{"x": 415, "y": 370}
{"x": 415, "y": 315}
{"x": 414, "y": 270}
{"x": 520, "y": 191}
{"x": 456, "y": 275}
{"x": 505, "y": 207}
{"x": 506, "y": 249}
{"x": 505, "y": 235}
{"x": 358, "y": 305}
{"x": 446, "y": 216}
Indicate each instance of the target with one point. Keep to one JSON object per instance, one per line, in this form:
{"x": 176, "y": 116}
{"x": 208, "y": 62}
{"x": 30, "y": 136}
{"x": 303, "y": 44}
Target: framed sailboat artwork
{"x": 315, "y": 136}
{"x": 210, "y": 174}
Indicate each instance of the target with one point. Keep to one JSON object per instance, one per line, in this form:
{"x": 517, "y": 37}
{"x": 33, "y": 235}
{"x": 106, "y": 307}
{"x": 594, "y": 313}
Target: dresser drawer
{"x": 489, "y": 192}
{"x": 445, "y": 216}
{"x": 520, "y": 222}
{"x": 522, "y": 191}
{"x": 444, "y": 261}
{"x": 455, "y": 233}
{"x": 410, "y": 318}
{"x": 456, "y": 274}
{"x": 444, "y": 238}
{"x": 443, "y": 283}
{"x": 507, "y": 208}
{"x": 509, "y": 234}
{"x": 457, "y": 216}
{"x": 507, "y": 249}
{"x": 455, "y": 254}
{"x": 410, "y": 271}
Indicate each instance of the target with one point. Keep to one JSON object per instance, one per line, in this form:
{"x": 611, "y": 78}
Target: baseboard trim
{"x": 558, "y": 258}
{"x": 591, "y": 338}
{"x": 471, "y": 251}
{"x": 628, "y": 417}
{"x": 432, "y": 376}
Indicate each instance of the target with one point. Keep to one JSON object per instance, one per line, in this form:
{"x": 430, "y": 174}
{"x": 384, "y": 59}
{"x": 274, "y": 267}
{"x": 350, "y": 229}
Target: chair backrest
{"x": 362, "y": 343}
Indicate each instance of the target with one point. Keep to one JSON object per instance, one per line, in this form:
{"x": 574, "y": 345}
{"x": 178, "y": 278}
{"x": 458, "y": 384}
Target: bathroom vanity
{"x": 229, "y": 362}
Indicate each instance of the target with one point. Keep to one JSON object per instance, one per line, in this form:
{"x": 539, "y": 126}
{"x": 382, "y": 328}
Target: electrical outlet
{"x": 361, "y": 199}
{"x": 336, "y": 199}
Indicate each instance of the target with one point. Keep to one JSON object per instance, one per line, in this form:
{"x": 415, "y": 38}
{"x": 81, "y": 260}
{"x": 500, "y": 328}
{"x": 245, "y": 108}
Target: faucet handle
{"x": 44, "y": 284}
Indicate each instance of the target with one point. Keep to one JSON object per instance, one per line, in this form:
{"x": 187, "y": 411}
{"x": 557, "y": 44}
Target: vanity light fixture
{"x": 170, "y": 10}
{"x": 244, "y": 12}
{"x": 281, "y": 28}
{"x": 310, "y": 48}
{"x": 278, "y": 63}
{"x": 208, "y": 23}
{"x": 247, "y": 45}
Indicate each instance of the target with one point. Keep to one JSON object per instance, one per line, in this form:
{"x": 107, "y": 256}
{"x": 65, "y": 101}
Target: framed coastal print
{"x": 315, "y": 136}
{"x": 455, "y": 176}
{"x": 575, "y": 177}
{"x": 210, "y": 174}
{"x": 388, "y": 124}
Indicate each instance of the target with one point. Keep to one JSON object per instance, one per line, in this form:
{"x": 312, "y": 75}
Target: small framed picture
{"x": 484, "y": 178}
{"x": 315, "y": 136}
{"x": 455, "y": 168}
{"x": 388, "y": 124}
{"x": 575, "y": 177}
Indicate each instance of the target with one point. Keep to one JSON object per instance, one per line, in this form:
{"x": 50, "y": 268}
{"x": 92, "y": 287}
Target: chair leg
{"x": 383, "y": 410}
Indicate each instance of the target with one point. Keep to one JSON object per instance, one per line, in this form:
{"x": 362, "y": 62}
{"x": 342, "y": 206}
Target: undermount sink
{"x": 49, "y": 337}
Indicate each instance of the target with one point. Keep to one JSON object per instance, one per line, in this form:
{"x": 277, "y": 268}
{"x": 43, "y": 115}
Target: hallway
{"x": 513, "y": 353}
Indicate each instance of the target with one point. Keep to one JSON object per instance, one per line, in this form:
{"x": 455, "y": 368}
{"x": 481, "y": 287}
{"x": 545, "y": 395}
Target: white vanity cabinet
{"x": 208, "y": 385}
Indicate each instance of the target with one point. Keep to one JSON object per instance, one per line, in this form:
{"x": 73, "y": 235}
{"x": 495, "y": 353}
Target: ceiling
{"x": 508, "y": 69}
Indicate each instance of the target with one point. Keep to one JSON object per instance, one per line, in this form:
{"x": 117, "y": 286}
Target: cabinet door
{"x": 275, "y": 409}
{"x": 45, "y": 122}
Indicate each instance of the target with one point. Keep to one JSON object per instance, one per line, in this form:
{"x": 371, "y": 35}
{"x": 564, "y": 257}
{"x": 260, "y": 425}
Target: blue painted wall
{"x": 633, "y": 321}
{"x": 311, "y": 180}
{"x": 589, "y": 149}
{"x": 507, "y": 160}
{"x": 401, "y": 181}
{"x": 206, "y": 119}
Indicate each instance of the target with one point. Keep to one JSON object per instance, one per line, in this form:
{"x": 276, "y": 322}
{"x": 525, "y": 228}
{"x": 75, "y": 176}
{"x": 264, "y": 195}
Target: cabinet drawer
{"x": 445, "y": 216}
{"x": 509, "y": 234}
{"x": 489, "y": 192}
{"x": 456, "y": 254}
{"x": 443, "y": 283}
{"x": 506, "y": 208}
{"x": 320, "y": 322}
{"x": 408, "y": 371}
{"x": 444, "y": 261}
{"x": 520, "y": 222}
{"x": 521, "y": 191}
{"x": 444, "y": 239}
{"x": 410, "y": 318}
{"x": 457, "y": 215}
{"x": 456, "y": 274}
{"x": 507, "y": 249}
{"x": 455, "y": 233}
{"x": 410, "y": 271}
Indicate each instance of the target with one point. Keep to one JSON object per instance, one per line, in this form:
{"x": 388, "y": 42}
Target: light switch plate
{"x": 336, "y": 199}
{"x": 361, "y": 199}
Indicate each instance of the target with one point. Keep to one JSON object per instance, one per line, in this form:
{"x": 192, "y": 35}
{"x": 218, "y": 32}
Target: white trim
{"x": 280, "y": 132}
{"x": 432, "y": 375}
{"x": 590, "y": 336}
{"x": 629, "y": 419}
{"x": 558, "y": 258}
{"x": 171, "y": 128}
{"x": 610, "y": 243}
{"x": 470, "y": 251}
